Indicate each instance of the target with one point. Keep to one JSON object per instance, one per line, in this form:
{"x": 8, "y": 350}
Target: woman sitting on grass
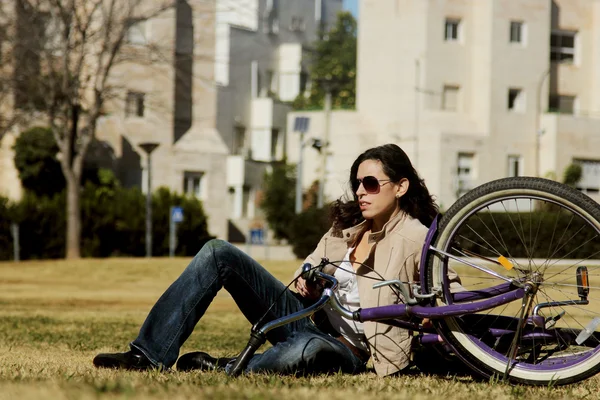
{"x": 378, "y": 234}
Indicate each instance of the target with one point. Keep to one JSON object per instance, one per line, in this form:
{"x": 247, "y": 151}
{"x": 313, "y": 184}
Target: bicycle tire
{"x": 567, "y": 362}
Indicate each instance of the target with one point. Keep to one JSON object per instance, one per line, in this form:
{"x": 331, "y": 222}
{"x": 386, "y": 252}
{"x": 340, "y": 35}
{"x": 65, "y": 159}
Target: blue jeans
{"x": 298, "y": 348}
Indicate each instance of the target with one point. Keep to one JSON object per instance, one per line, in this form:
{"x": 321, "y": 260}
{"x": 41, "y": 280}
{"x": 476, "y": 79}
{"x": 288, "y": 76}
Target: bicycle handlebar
{"x": 258, "y": 335}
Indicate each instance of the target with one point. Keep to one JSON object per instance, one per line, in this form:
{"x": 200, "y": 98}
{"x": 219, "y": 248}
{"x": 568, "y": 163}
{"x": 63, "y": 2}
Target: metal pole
{"x": 171, "y": 235}
{"x": 149, "y": 209}
{"x": 149, "y": 147}
{"x": 299, "y": 174}
{"x": 14, "y": 228}
{"x": 324, "y": 149}
{"x": 538, "y": 115}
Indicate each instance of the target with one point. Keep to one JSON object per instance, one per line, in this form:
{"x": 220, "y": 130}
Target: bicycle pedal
{"x": 583, "y": 285}
{"x": 587, "y": 331}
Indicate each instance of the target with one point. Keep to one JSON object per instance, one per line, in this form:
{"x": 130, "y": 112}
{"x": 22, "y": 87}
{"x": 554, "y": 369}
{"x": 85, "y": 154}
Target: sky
{"x": 352, "y": 6}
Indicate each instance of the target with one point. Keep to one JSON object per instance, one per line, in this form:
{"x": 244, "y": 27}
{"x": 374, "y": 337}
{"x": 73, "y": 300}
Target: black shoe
{"x": 128, "y": 360}
{"x": 201, "y": 361}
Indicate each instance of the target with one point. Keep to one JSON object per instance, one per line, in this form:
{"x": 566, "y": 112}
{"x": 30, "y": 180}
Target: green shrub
{"x": 279, "y": 199}
{"x": 307, "y": 228}
{"x": 547, "y": 234}
{"x": 35, "y": 159}
{"x": 113, "y": 223}
{"x": 572, "y": 174}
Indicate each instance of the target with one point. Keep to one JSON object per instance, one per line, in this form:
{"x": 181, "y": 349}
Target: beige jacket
{"x": 395, "y": 254}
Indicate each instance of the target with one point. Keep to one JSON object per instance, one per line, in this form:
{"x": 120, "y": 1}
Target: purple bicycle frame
{"x": 495, "y": 296}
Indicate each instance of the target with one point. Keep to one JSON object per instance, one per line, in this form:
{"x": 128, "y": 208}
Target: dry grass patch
{"x": 56, "y": 315}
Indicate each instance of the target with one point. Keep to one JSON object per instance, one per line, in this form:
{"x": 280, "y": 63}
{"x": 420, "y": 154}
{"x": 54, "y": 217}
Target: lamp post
{"x": 298, "y": 205}
{"x": 538, "y": 115}
{"x": 325, "y": 143}
{"x": 148, "y": 148}
{"x": 300, "y": 125}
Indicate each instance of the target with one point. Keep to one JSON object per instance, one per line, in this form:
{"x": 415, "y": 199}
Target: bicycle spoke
{"x": 537, "y": 234}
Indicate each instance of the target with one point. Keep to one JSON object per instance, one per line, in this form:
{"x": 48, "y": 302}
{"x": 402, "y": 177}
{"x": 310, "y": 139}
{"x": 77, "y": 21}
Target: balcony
{"x": 268, "y": 121}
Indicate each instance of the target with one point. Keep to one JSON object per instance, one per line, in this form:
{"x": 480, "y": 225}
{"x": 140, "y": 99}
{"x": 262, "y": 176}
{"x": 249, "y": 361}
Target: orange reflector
{"x": 505, "y": 263}
{"x": 584, "y": 279}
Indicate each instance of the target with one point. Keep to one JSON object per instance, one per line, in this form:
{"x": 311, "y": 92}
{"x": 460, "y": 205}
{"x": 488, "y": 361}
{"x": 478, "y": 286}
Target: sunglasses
{"x": 370, "y": 183}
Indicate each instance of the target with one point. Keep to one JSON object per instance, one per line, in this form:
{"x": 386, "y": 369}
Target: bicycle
{"x": 523, "y": 311}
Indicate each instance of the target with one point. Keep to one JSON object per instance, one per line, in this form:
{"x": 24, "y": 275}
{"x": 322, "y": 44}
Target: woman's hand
{"x": 309, "y": 290}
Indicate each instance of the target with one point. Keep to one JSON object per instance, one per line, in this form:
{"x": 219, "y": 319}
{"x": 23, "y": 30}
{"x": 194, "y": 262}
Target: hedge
{"x": 113, "y": 224}
{"x": 544, "y": 234}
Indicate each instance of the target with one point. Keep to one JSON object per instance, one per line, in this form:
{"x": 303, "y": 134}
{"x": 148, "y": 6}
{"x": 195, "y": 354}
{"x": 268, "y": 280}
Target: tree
{"x": 35, "y": 159}
{"x": 8, "y": 114}
{"x": 572, "y": 174}
{"x": 334, "y": 66}
{"x": 279, "y": 199}
{"x": 66, "y": 50}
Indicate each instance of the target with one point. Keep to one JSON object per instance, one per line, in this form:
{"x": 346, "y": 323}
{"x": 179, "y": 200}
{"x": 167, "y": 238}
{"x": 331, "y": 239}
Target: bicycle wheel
{"x": 524, "y": 230}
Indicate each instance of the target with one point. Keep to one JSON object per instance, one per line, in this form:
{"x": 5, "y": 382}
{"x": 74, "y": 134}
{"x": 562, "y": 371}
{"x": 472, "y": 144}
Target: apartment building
{"x": 209, "y": 83}
{"x": 472, "y": 90}
{"x": 263, "y": 54}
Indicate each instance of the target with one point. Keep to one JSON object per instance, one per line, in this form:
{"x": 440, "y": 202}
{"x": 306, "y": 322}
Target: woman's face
{"x": 381, "y": 206}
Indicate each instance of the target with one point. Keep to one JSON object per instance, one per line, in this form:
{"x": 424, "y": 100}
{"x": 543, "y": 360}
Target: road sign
{"x": 301, "y": 124}
{"x": 176, "y": 214}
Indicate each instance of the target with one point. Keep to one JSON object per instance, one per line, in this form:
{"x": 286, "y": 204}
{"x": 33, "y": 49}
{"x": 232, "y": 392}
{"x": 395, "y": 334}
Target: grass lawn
{"x": 56, "y": 315}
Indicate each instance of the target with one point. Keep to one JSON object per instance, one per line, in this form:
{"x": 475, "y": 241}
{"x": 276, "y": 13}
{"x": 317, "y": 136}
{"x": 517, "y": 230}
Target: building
{"x": 472, "y": 90}
{"x": 263, "y": 51}
{"x": 169, "y": 98}
{"x": 236, "y": 67}
{"x": 210, "y": 83}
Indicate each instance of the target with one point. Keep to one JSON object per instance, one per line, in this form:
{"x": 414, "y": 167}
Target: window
{"x": 271, "y": 83}
{"x": 590, "y": 176}
{"x": 192, "y": 183}
{"x": 246, "y": 202}
{"x": 255, "y": 81}
{"x": 465, "y": 173}
{"x": 516, "y": 32}
{"x": 515, "y": 166}
{"x": 562, "y": 46}
{"x": 451, "y": 32}
{"x": 562, "y": 104}
{"x": 137, "y": 33}
{"x": 450, "y": 97}
{"x": 134, "y": 104}
{"x": 274, "y": 143}
{"x": 239, "y": 140}
{"x": 516, "y": 100}
{"x": 270, "y": 20}
{"x": 297, "y": 24}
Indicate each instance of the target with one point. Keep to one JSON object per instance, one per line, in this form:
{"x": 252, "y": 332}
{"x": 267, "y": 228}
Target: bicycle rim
{"x": 530, "y": 230}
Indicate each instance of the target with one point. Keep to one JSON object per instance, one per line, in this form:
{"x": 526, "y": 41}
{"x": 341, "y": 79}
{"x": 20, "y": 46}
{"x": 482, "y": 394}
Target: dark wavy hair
{"x": 416, "y": 202}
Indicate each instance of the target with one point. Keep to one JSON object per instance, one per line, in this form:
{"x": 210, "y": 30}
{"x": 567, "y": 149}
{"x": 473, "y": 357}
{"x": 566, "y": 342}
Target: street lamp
{"x": 300, "y": 125}
{"x": 538, "y": 114}
{"x": 325, "y": 144}
{"x": 148, "y": 148}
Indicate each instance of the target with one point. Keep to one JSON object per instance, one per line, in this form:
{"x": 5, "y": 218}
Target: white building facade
{"x": 209, "y": 82}
{"x": 472, "y": 90}
{"x": 261, "y": 65}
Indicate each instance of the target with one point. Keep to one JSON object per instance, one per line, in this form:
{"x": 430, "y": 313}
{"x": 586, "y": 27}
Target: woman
{"x": 378, "y": 235}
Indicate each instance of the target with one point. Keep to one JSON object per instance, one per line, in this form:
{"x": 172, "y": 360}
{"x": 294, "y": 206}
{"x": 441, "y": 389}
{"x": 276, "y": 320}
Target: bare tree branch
{"x": 73, "y": 47}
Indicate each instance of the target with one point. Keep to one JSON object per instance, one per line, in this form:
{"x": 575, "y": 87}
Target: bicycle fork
{"x": 526, "y": 306}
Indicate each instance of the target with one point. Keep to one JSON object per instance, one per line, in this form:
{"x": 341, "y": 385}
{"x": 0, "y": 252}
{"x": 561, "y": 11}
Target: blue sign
{"x": 301, "y": 124}
{"x": 257, "y": 236}
{"x": 176, "y": 214}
